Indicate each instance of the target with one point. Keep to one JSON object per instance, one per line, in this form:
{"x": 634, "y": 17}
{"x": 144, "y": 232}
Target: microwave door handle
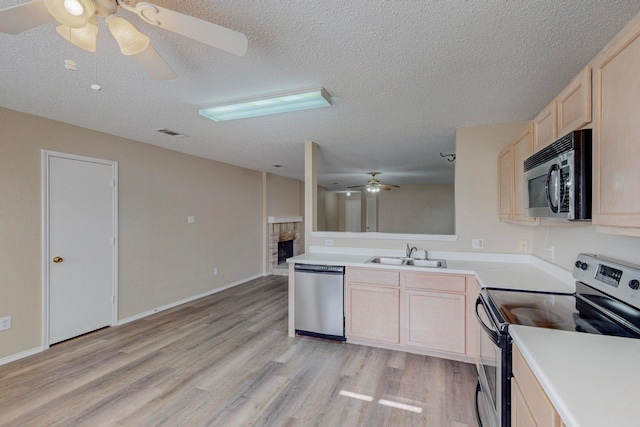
{"x": 493, "y": 335}
{"x": 552, "y": 168}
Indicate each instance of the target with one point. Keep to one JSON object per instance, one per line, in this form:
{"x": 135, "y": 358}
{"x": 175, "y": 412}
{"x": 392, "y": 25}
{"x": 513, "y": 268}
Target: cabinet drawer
{"x": 536, "y": 399}
{"x": 373, "y": 276}
{"x": 438, "y": 282}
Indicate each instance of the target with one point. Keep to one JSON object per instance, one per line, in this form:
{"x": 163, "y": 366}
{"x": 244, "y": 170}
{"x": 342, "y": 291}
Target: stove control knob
{"x": 581, "y": 265}
{"x": 634, "y": 284}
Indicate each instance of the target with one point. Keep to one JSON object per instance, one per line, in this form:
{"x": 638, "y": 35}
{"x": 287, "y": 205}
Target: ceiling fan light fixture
{"x": 72, "y": 13}
{"x": 130, "y": 40}
{"x": 73, "y": 7}
{"x": 265, "y": 106}
{"x": 85, "y": 37}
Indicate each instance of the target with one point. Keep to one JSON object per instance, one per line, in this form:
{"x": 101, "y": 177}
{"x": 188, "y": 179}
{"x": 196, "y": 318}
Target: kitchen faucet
{"x": 410, "y": 250}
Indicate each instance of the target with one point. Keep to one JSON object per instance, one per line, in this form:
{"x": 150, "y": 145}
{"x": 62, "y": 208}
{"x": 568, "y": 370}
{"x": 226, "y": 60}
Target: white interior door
{"x": 372, "y": 214}
{"x": 352, "y": 214}
{"x": 81, "y": 245}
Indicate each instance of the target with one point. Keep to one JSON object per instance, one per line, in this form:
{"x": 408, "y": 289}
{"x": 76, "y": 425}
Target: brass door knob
{"x": 58, "y": 259}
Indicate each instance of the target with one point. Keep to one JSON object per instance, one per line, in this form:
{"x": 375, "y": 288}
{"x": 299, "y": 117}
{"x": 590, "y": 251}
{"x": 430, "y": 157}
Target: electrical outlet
{"x": 477, "y": 243}
{"x": 215, "y": 271}
{"x": 524, "y": 245}
{"x": 328, "y": 242}
{"x": 191, "y": 219}
{"x": 5, "y": 323}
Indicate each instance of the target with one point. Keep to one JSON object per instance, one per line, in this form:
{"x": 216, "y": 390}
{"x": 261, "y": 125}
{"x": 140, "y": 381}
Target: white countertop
{"x": 592, "y": 380}
{"x": 495, "y": 274}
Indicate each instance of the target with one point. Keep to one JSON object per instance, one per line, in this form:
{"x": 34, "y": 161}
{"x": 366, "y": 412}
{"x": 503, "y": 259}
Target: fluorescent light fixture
{"x": 265, "y": 106}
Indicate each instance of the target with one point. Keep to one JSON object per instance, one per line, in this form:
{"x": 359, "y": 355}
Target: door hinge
{"x": 113, "y": 182}
{"x": 113, "y": 299}
{"x": 113, "y": 241}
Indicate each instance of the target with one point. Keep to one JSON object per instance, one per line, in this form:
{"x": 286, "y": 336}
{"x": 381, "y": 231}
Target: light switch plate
{"x": 191, "y": 219}
{"x": 5, "y": 323}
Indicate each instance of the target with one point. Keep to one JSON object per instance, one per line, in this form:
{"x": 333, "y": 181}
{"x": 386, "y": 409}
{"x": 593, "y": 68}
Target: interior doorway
{"x": 79, "y": 245}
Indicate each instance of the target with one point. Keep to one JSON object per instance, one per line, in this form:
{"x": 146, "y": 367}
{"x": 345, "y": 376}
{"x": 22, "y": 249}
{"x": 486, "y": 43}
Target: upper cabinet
{"x": 511, "y": 178}
{"x": 616, "y": 136}
{"x": 545, "y": 126}
{"x": 569, "y": 111}
{"x": 574, "y": 103}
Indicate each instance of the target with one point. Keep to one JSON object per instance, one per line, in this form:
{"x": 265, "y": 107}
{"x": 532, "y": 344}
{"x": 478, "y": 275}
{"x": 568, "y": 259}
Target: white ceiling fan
{"x": 374, "y": 185}
{"x": 79, "y": 25}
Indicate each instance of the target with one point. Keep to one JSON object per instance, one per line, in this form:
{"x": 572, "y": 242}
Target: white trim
{"x": 186, "y": 300}
{"x": 281, "y": 219}
{"x": 385, "y": 236}
{"x": 46, "y": 155}
{"x": 21, "y": 355}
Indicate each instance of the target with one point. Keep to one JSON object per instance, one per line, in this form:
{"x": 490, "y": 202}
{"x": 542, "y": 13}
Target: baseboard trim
{"x": 186, "y": 300}
{"x": 20, "y": 355}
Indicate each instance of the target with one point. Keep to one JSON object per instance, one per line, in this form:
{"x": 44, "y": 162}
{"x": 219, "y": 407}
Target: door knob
{"x": 58, "y": 259}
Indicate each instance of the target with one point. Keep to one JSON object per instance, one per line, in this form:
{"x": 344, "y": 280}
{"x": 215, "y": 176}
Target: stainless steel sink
{"x": 433, "y": 263}
{"x": 409, "y": 262}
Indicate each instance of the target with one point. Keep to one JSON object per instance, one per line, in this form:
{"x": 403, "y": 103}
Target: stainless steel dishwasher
{"x": 319, "y": 301}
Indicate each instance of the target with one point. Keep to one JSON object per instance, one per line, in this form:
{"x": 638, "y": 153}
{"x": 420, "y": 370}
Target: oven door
{"x": 490, "y": 407}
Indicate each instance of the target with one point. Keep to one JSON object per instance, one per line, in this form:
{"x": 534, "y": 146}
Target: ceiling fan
{"x": 374, "y": 185}
{"x": 79, "y": 25}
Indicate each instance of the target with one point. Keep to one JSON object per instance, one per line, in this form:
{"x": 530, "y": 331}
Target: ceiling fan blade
{"x": 23, "y": 17}
{"x": 153, "y": 64}
{"x": 357, "y": 186}
{"x": 193, "y": 28}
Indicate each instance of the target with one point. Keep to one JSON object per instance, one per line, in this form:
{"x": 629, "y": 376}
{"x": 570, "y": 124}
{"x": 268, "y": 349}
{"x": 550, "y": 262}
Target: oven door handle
{"x": 493, "y": 334}
{"x": 477, "y": 402}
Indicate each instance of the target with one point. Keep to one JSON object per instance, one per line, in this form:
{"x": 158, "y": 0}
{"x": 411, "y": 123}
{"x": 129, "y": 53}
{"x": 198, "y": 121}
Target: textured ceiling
{"x": 403, "y": 75}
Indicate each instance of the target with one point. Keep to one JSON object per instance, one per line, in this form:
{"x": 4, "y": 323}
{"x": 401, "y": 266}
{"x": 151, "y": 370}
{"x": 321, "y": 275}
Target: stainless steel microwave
{"x": 557, "y": 179}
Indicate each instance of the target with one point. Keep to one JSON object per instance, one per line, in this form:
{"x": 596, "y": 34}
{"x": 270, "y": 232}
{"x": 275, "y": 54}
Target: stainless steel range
{"x": 606, "y": 301}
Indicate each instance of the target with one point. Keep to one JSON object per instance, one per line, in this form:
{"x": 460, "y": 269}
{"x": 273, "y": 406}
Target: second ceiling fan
{"x": 373, "y": 185}
{"x": 79, "y": 25}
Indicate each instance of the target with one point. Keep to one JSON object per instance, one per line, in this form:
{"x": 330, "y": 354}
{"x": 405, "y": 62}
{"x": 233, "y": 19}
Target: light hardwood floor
{"x": 226, "y": 360}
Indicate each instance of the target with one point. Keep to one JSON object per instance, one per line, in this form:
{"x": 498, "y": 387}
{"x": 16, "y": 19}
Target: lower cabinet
{"x": 435, "y": 311}
{"x": 427, "y": 313}
{"x": 373, "y": 313}
{"x": 530, "y": 406}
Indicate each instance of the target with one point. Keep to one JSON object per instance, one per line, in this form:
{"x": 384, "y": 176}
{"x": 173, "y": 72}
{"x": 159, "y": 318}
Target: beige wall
{"x": 476, "y": 197}
{"x": 162, "y": 259}
{"x": 285, "y": 196}
{"x": 417, "y": 209}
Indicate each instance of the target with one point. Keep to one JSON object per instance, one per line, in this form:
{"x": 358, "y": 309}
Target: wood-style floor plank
{"x": 226, "y": 360}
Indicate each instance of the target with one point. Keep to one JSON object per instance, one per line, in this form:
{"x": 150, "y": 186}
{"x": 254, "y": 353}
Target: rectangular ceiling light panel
{"x": 265, "y": 106}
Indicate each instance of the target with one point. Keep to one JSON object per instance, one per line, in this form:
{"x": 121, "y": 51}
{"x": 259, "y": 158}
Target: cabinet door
{"x": 616, "y": 137}
{"x": 505, "y": 167}
{"x": 522, "y": 148}
{"x": 373, "y": 313}
{"x": 545, "y": 126}
{"x": 436, "y": 321}
{"x": 520, "y": 413}
{"x": 574, "y": 103}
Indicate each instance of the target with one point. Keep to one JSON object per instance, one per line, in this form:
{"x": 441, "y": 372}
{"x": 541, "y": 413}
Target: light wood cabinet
{"x": 511, "y": 178}
{"x": 569, "y": 111}
{"x": 435, "y": 308}
{"x": 574, "y": 103}
{"x": 530, "y": 406}
{"x": 372, "y": 307}
{"x": 420, "y": 312}
{"x": 616, "y": 134}
{"x": 545, "y": 126}
{"x": 374, "y": 313}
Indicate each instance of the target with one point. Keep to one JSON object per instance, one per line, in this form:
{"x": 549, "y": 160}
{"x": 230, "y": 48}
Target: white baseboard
{"x": 186, "y": 300}
{"x": 20, "y": 355}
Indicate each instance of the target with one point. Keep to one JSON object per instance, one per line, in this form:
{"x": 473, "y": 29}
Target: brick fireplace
{"x": 284, "y": 241}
